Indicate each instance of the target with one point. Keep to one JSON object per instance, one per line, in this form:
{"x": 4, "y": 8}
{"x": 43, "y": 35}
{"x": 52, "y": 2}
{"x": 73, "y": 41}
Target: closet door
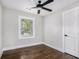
{"x": 71, "y": 32}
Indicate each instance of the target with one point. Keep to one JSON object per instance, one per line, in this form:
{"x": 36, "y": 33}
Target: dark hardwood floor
{"x": 36, "y": 52}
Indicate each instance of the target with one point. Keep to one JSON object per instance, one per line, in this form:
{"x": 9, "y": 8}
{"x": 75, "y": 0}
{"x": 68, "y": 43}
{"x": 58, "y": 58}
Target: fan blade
{"x": 31, "y": 8}
{"x": 38, "y": 11}
{"x": 46, "y": 9}
{"x": 47, "y": 2}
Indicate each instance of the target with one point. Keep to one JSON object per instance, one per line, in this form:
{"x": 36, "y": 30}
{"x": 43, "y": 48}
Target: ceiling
{"x": 25, "y": 5}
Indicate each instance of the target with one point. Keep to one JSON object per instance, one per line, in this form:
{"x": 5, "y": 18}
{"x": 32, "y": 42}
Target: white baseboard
{"x": 61, "y": 50}
{"x": 1, "y": 53}
{"x": 74, "y": 53}
{"x": 5, "y": 49}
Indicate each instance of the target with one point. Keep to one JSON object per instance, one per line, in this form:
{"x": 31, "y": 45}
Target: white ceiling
{"x": 25, "y": 5}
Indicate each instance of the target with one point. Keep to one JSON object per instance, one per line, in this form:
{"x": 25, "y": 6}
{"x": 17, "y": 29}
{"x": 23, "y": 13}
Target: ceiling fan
{"x": 41, "y": 5}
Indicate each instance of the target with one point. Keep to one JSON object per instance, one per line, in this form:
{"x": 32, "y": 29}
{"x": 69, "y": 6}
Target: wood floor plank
{"x": 36, "y": 52}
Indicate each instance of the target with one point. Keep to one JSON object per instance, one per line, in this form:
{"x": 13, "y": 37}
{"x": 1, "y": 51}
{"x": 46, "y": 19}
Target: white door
{"x": 71, "y": 32}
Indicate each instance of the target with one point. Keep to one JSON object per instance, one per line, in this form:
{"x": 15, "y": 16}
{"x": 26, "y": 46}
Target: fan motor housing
{"x": 39, "y": 5}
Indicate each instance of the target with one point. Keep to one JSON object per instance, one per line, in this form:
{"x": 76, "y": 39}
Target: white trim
{"x": 63, "y": 41}
{"x": 1, "y": 53}
{"x": 74, "y": 53}
{"x": 58, "y": 49}
{"x": 5, "y": 49}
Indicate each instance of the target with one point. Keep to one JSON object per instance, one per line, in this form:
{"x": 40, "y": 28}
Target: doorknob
{"x": 65, "y": 35}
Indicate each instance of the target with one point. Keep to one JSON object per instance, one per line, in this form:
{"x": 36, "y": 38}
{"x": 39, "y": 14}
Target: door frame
{"x": 63, "y": 40}
{"x": 1, "y": 51}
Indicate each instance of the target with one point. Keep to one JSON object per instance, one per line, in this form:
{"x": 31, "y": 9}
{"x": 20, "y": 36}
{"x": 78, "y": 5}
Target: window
{"x": 26, "y": 27}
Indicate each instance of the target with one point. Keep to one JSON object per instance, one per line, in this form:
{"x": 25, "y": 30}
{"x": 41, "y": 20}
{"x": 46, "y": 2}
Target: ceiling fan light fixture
{"x": 41, "y": 5}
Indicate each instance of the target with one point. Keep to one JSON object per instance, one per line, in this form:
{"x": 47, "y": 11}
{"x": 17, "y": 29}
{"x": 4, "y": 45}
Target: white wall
{"x": 53, "y": 31}
{"x": 10, "y": 29}
{"x": 0, "y": 30}
{"x": 53, "y": 27}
